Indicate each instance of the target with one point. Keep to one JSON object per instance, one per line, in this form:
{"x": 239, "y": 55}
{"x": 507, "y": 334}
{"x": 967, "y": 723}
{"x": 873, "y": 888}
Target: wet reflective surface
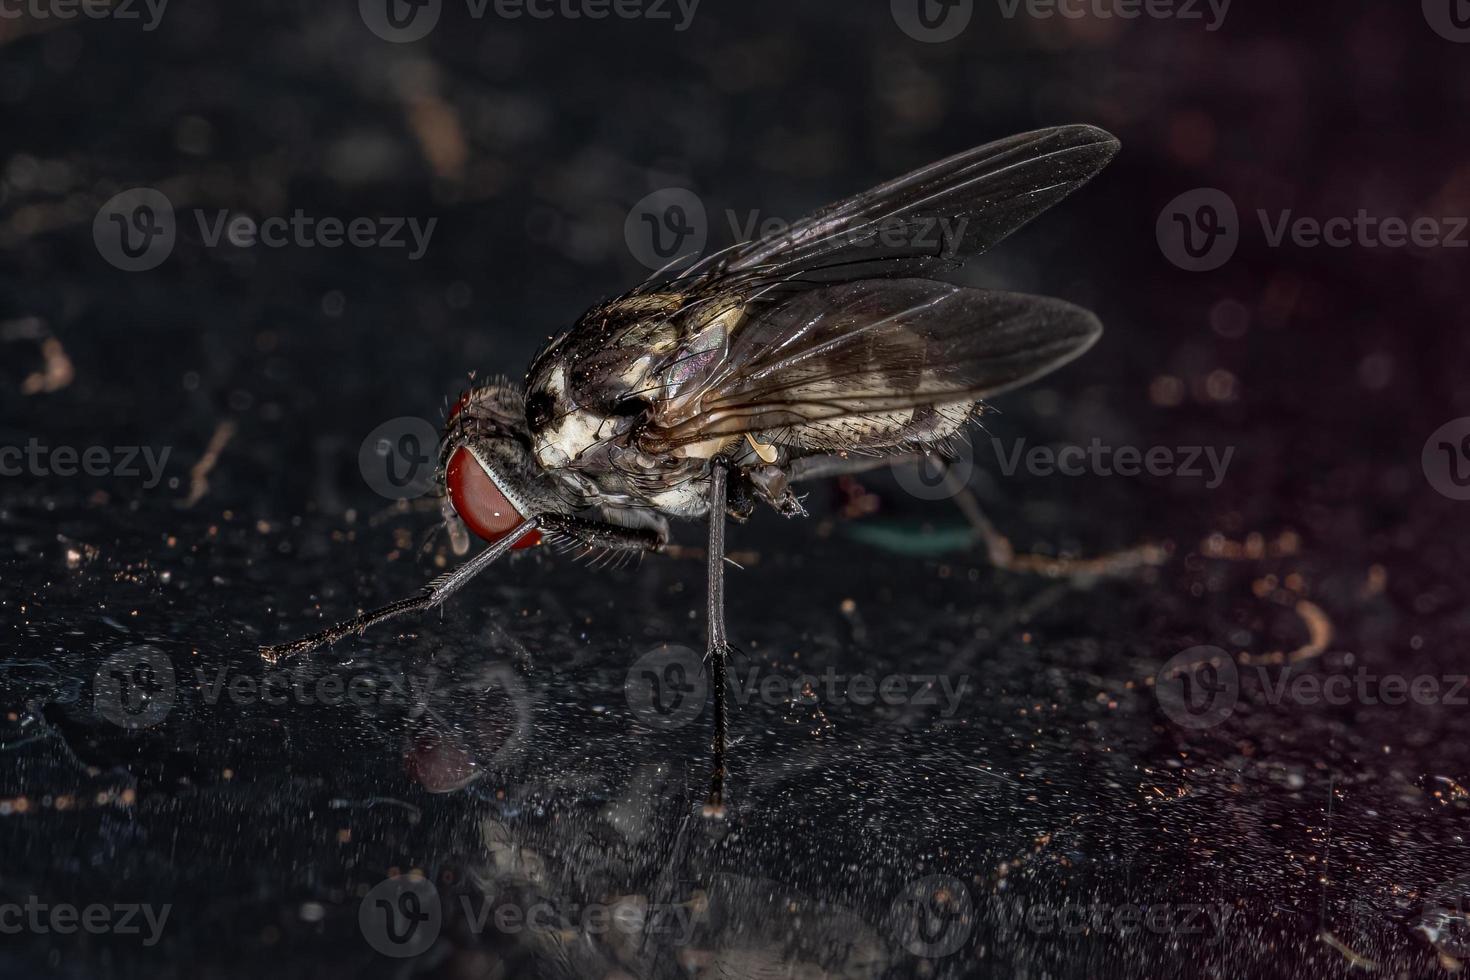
{"x": 1044, "y": 814}
{"x": 1250, "y": 760}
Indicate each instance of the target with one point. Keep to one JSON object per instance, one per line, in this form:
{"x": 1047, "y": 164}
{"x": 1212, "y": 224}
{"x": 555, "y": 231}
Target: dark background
{"x": 1059, "y": 781}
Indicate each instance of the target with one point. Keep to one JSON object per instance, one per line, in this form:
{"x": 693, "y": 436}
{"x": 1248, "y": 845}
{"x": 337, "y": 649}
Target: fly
{"x": 710, "y": 390}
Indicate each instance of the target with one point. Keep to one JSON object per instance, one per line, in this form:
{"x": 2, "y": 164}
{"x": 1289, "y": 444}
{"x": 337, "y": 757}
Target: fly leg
{"x": 591, "y": 533}
{"x": 719, "y": 647}
{"x": 1003, "y": 555}
{"x": 430, "y": 596}
{"x": 597, "y": 535}
{"x": 998, "y": 547}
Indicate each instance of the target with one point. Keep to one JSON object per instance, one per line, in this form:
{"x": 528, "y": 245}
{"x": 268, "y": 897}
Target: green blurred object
{"x": 914, "y": 539}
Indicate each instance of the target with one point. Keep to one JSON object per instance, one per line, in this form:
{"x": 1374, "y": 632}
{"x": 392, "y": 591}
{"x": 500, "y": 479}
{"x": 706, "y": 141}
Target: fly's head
{"x": 490, "y": 476}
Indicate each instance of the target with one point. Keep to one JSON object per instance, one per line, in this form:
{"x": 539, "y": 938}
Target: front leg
{"x": 592, "y": 533}
{"x": 597, "y": 534}
{"x": 431, "y": 595}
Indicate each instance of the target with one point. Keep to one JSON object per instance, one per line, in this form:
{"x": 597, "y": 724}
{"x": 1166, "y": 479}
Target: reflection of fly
{"x": 712, "y": 388}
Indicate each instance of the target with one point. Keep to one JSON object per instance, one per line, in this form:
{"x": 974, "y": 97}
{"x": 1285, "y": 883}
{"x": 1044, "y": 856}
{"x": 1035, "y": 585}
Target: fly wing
{"x": 932, "y": 219}
{"x": 871, "y": 364}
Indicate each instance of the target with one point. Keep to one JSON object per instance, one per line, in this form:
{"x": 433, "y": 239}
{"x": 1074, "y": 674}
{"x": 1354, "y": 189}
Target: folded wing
{"x": 926, "y": 221}
{"x": 871, "y": 364}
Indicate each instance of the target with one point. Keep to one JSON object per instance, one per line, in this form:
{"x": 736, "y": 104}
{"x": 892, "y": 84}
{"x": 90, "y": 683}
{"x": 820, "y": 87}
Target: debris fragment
{"x": 199, "y": 475}
{"x": 56, "y": 373}
{"x": 1361, "y": 962}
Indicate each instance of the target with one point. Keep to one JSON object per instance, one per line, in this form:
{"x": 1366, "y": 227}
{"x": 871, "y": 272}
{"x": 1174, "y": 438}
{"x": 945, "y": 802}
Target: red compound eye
{"x": 464, "y": 400}
{"x": 480, "y": 503}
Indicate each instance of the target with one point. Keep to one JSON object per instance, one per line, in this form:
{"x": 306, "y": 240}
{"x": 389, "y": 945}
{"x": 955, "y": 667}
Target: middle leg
{"x": 718, "y": 645}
